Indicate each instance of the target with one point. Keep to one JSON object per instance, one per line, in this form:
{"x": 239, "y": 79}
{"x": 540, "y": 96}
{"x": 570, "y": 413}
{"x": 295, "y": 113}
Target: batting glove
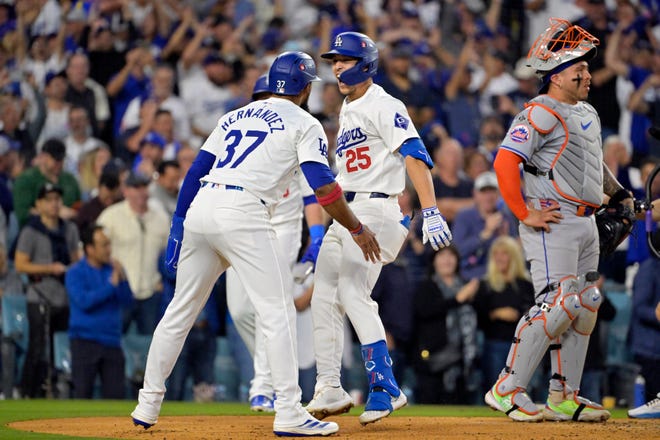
{"x": 316, "y": 235}
{"x": 308, "y": 261}
{"x": 174, "y": 244}
{"x": 435, "y": 228}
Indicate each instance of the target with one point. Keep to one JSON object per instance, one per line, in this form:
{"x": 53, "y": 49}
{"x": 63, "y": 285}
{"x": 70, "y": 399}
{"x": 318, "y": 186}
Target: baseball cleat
{"x": 145, "y": 425}
{"x": 310, "y": 428}
{"x": 261, "y": 403}
{"x": 650, "y": 410}
{"x": 329, "y": 401}
{"x": 140, "y": 419}
{"x": 575, "y": 408}
{"x": 381, "y": 404}
{"x": 522, "y": 410}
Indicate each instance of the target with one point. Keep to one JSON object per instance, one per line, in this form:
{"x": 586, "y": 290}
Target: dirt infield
{"x": 418, "y": 428}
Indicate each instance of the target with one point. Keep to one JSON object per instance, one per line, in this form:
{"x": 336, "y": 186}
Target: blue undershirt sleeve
{"x": 317, "y": 174}
{"x": 199, "y": 168}
{"x": 414, "y": 147}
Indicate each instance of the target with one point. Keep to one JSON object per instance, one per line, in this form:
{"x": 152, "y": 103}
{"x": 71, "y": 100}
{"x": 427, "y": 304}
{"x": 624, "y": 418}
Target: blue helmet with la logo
{"x": 359, "y": 46}
{"x": 291, "y": 72}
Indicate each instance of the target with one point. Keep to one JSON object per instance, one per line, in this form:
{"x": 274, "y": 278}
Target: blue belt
{"x": 227, "y": 187}
{"x": 350, "y": 195}
{"x": 222, "y": 185}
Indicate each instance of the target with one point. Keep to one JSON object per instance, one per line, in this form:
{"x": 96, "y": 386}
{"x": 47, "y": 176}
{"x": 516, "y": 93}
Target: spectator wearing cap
{"x": 491, "y": 133}
{"x": 55, "y": 120}
{"x": 46, "y": 246}
{"x": 48, "y": 169}
{"x": 476, "y": 228}
{"x": 206, "y": 96}
{"x": 98, "y": 292}
{"x": 508, "y": 106}
{"x": 138, "y": 230}
{"x": 130, "y": 82}
{"x": 75, "y": 26}
{"x": 397, "y": 82}
{"x": 150, "y": 155}
{"x": 79, "y": 140}
{"x": 165, "y": 99}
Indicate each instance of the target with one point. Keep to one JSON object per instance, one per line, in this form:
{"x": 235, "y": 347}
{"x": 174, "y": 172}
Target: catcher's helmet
{"x": 355, "y": 45}
{"x": 291, "y": 72}
{"x": 562, "y": 44}
{"x": 260, "y": 86}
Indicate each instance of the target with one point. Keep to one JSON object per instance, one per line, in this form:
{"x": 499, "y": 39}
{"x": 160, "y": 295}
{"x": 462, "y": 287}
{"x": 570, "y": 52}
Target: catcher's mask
{"x": 559, "y": 47}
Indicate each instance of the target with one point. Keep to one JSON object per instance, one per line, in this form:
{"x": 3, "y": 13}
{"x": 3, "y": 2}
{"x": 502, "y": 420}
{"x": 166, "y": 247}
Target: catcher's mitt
{"x": 614, "y": 221}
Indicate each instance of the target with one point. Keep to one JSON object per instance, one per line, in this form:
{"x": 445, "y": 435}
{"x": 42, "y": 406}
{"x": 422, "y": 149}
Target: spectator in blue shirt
{"x": 477, "y": 227}
{"x": 97, "y": 289}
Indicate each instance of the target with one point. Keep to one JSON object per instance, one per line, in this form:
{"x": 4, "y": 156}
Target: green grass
{"x": 14, "y": 410}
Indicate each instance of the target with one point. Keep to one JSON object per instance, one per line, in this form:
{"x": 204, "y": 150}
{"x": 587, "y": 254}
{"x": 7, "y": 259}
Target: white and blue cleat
{"x": 309, "y": 428}
{"x": 261, "y": 403}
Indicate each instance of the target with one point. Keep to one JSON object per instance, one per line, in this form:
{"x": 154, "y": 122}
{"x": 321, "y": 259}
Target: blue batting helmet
{"x": 261, "y": 85}
{"x": 291, "y": 72}
{"x": 355, "y": 45}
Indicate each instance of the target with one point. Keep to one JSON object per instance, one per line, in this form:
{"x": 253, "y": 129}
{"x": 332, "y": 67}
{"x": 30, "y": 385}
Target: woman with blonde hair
{"x": 90, "y": 168}
{"x": 505, "y": 293}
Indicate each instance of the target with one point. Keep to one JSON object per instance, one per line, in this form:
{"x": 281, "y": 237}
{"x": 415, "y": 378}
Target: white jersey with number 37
{"x": 371, "y": 129}
{"x": 260, "y": 146}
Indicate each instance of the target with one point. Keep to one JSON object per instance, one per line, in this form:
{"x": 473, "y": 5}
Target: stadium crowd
{"x": 104, "y": 104}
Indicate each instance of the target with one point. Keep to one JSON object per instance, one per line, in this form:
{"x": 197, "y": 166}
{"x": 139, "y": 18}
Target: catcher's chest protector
{"x": 577, "y": 169}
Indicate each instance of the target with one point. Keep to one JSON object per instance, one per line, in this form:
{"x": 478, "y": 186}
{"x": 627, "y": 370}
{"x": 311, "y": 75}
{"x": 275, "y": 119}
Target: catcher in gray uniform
{"x": 557, "y": 138}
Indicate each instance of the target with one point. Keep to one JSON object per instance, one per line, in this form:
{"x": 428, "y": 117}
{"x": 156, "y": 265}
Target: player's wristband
{"x": 331, "y": 197}
{"x": 357, "y": 231}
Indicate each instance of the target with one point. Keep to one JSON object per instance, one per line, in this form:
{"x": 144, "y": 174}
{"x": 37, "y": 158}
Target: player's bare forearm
{"x": 610, "y": 184}
{"x": 421, "y": 179}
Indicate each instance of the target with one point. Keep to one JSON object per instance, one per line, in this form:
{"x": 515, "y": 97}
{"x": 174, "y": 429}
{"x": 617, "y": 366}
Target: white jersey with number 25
{"x": 371, "y": 129}
{"x": 257, "y": 150}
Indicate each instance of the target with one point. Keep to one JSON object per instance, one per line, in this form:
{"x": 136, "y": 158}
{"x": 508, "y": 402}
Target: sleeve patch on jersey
{"x": 519, "y": 134}
{"x": 401, "y": 121}
{"x": 323, "y": 148}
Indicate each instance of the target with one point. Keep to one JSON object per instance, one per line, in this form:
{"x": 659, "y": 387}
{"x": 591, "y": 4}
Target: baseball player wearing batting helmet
{"x": 557, "y": 139}
{"x": 377, "y": 143}
{"x": 222, "y": 219}
{"x": 286, "y": 218}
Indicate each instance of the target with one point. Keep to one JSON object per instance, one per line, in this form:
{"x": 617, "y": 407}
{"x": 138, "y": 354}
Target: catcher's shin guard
{"x": 534, "y": 332}
{"x": 569, "y": 355}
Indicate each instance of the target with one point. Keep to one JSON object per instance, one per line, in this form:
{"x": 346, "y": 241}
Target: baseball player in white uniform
{"x": 377, "y": 143}
{"x": 557, "y": 139}
{"x": 286, "y": 217}
{"x": 222, "y": 219}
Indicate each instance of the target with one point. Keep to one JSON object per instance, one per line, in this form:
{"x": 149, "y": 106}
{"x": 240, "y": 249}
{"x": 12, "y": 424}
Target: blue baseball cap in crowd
{"x": 154, "y": 138}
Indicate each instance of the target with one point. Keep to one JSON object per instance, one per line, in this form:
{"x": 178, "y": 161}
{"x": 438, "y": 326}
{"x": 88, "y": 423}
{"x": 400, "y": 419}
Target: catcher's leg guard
{"x": 569, "y": 355}
{"x": 534, "y": 332}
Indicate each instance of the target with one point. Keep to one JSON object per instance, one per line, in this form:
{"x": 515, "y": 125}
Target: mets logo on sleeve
{"x": 519, "y": 134}
{"x": 401, "y": 121}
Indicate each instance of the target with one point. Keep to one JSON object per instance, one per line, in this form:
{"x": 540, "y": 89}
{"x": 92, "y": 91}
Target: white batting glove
{"x": 435, "y": 228}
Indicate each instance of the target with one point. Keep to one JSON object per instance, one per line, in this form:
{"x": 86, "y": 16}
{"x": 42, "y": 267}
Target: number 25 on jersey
{"x": 357, "y": 159}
